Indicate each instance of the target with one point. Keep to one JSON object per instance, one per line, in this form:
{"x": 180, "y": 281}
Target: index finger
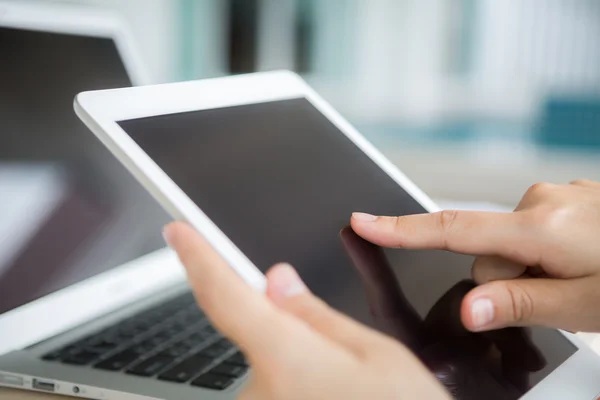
{"x": 467, "y": 232}
{"x": 237, "y": 310}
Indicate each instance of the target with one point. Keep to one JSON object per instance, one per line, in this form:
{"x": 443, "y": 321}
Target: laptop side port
{"x": 43, "y": 385}
{"x": 11, "y": 380}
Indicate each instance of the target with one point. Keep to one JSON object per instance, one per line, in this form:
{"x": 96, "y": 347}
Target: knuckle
{"x": 522, "y": 305}
{"x": 553, "y": 220}
{"x": 540, "y": 189}
{"x": 398, "y": 224}
{"x": 580, "y": 182}
{"x": 401, "y": 224}
{"x": 399, "y": 228}
{"x": 446, "y": 220}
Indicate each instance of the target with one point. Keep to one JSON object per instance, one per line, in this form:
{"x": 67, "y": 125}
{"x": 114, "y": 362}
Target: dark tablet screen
{"x": 282, "y": 181}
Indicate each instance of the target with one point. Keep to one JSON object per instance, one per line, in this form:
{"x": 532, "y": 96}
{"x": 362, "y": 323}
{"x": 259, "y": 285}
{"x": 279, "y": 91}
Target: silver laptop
{"x": 91, "y": 304}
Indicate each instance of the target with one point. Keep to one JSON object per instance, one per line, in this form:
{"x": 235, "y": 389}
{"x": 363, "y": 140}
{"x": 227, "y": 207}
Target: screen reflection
{"x": 491, "y": 365}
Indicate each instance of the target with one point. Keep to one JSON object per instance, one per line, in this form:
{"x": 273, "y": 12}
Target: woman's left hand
{"x": 297, "y": 346}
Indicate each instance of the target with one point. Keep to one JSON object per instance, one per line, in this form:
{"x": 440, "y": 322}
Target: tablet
{"x": 267, "y": 171}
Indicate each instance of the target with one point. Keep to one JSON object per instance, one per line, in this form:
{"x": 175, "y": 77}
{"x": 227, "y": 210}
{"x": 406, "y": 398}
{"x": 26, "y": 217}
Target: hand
{"x": 297, "y": 346}
{"x": 490, "y": 365}
{"x": 539, "y": 265}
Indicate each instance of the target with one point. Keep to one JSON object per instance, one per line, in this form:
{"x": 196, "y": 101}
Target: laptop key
{"x": 213, "y": 381}
{"x": 164, "y": 322}
{"x": 118, "y": 361}
{"x": 209, "y": 330}
{"x": 151, "y": 366}
{"x": 101, "y": 349}
{"x": 82, "y": 358}
{"x": 225, "y": 344}
{"x": 178, "y": 349}
{"x": 238, "y": 359}
{"x": 192, "y": 318}
{"x": 144, "y": 347}
{"x": 52, "y": 356}
{"x": 187, "y": 369}
{"x": 115, "y": 339}
{"x": 213, "y": 351}
{"x": 232, "y": 370}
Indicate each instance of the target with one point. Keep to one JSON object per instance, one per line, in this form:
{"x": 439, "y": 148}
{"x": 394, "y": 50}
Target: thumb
{"x": 286, "y": 289}
{"x": 522, "y": 302}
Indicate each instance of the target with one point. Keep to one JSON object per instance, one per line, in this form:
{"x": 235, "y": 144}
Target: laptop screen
{"x": 68, "y": 209}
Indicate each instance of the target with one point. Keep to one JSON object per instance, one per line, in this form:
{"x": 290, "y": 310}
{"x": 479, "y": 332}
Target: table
{"x": 10, "y": 394}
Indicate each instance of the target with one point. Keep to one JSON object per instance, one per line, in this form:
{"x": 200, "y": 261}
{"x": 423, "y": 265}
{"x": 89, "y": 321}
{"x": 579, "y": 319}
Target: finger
{"x": 468, "y": 232}
{"x": 238, "y": 311}
{"x": 288, "y": 292}
{"x": 521, "y": 302}
{"x": 493, "y": 268}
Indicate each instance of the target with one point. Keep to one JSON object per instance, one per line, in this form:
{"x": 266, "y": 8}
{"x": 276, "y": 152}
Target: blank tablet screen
{"x": 281, "y": 181}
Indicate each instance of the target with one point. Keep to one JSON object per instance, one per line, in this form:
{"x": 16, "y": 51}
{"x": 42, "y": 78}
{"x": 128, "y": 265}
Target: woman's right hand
{"x": 539, "y": 265}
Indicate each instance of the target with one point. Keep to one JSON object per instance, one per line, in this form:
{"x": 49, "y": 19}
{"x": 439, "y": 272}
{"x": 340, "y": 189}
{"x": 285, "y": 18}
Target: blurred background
{"x": 473, "y": 99}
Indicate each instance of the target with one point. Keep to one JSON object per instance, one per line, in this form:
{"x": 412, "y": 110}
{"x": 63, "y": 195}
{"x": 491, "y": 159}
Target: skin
{"x": 539, "y": 265}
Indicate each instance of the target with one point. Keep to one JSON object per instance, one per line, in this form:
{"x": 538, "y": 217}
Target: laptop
{"x": 88, "y": 294}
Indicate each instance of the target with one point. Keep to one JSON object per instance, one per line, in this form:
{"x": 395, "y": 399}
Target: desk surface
{"x": 9, "y": 394}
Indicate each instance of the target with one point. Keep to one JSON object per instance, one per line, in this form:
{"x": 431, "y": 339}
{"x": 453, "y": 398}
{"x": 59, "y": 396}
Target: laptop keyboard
{"x": 173, "y": 341}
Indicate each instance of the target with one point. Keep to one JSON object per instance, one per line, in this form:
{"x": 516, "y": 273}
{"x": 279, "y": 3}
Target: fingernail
{"x": 287, "y": 281}
{"x": 363, "y": 217}
{"x": 482, "y": 312}
{"x": 167, "y": 234}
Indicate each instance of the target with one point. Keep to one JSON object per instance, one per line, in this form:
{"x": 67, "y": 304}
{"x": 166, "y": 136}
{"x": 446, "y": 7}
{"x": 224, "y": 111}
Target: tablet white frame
{"x": 101, "y": 110}
{"x": 69, "y": 307}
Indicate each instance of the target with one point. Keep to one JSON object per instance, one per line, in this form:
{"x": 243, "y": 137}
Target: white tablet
{"x": 267, "y": 171}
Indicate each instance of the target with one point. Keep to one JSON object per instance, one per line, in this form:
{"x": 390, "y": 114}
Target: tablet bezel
{"x": 109, "y": 106}
{"x": 101, "y": 111}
